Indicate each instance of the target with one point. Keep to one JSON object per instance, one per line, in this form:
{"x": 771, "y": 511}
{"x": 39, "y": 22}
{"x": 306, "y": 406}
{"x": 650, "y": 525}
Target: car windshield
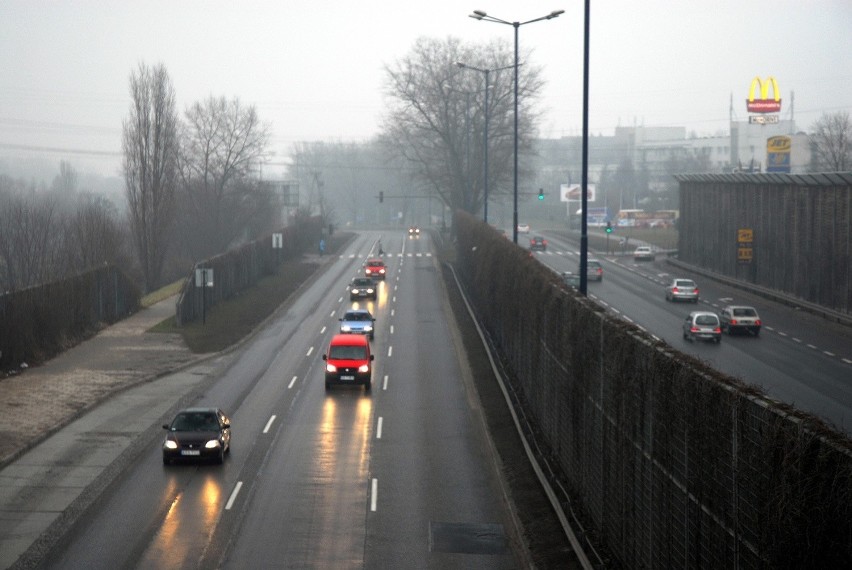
{"x": 706, "y": 320}
{"x": 356, "y": 317}
{"x": 347, "y": 353}
{"x": 195, "y": 421}
{"x": 745, "y": 312}
{"x": 362, "y": 282}
{"x": 684, "y": 283}
{"x": 375, "y": 263}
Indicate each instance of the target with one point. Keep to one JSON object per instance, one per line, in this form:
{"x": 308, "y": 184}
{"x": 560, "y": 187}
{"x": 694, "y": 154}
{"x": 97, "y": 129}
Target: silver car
{"x": 740, "y": 318}
{"x": 682, "y": 290}
{"x": 358, "y": 321}
{"x": 702, "y": 325}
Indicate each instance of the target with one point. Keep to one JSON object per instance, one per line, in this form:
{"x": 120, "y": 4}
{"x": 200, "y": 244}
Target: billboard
{"x": 571, "y": 193}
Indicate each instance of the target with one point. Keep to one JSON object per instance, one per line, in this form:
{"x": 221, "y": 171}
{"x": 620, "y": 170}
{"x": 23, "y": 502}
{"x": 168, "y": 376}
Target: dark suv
{"x": 538, "y": 243}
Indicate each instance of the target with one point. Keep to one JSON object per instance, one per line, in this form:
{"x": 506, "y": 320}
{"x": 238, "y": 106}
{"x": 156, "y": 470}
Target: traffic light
{"x": 608, "y": 227}
{"x": 381, "y": 197}
{"x": 541, "y": 193}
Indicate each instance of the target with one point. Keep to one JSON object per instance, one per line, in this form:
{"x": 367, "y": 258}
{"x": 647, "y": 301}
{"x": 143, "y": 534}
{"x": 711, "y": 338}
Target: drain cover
{"x": 467, "y": 538}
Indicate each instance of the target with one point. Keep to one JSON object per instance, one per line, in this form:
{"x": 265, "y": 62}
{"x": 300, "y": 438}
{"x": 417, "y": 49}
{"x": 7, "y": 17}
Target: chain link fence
{"x": 39, "y": 322}
{"x": 240, "y": 268}
{"x": 674, "y": 464}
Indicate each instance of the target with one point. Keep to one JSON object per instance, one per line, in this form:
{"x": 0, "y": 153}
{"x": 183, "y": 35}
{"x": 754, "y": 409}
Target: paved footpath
{"x": 110, "y": 389}
{"x": 43, "y": 399}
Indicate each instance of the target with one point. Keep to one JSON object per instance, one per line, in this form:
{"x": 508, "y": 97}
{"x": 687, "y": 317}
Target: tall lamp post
{"x": 485, "y": 142}
{"x": 480, "y": 15}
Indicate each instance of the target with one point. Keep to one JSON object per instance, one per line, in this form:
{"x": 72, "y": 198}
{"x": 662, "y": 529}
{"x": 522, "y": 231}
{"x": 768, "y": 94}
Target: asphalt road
{"x": 402, "y": 476}
{"x": 800, "y": 359}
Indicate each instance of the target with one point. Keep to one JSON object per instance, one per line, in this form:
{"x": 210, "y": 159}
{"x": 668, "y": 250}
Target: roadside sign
{"x": 745, "y": 235}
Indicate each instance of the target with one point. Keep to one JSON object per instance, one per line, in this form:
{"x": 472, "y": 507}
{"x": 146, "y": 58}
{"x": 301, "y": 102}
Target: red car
{"x": 375, "y": 268}
{"x": 348, "y": 361}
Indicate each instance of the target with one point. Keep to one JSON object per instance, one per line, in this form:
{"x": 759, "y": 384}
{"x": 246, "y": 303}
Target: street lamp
{"x": 485, "y": 143}
{"x": 480, "y": 15}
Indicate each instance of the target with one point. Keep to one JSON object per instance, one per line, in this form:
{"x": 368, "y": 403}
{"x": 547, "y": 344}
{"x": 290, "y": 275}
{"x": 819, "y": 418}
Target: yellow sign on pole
{"x": 745, "y": 254}
{"x": 745, "y": 235}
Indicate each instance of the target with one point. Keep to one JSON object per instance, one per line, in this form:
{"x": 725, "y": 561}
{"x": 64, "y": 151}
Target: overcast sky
{"x": 314, "y": 68}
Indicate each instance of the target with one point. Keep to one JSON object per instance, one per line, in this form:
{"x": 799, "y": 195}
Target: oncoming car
{"x": 348, "y": 360}
{"x": 702, "y": 325}
{"x": 414, "y": 231}
{"x": 523, "y": 228}
{"x": 680, "y": 289}
{"x": 375, "y": 269}
{"x": 357, "y": 321}
{"x": 362, "y": 288}
{"x": 197, "y": 433}
{"x": 740, "y": 318}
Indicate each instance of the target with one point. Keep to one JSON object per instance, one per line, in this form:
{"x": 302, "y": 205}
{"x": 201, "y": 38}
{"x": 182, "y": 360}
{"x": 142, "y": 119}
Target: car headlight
{"x": 212, "y": 444}
{"x": 370, "y": 290}
{"x": 170, "y": 444}
{"x": 354, "y": 291}
{"x": 364, "y": 368}
{"x": 330, "y": 368}
{"x": 368, "y": 328}
{"x": 345, "y": 328}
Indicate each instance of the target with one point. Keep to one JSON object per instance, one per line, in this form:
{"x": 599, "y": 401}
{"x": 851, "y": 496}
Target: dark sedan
{"x": 197, "y": 433}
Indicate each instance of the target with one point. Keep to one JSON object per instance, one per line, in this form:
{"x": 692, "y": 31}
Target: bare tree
{"x": 150, "y": 147}
{"x": 95, "y": 234}
{"x": 223, "y": 145}
{"x": 436, "y": 116}
{"x": 31, "y": 238}
{"x": 832, "y": 142}
{"x": 65, "y": 182}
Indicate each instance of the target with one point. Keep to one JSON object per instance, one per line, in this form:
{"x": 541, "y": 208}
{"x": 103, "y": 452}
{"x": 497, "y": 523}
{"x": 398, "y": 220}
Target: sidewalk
{"x": 41, "y": 400}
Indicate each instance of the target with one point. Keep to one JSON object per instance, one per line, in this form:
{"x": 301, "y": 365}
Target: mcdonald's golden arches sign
{"x": 763, "y": 104}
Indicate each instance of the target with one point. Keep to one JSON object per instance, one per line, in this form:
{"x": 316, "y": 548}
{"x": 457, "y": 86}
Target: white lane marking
{"x": 782, "y": 334}
{"x": 340, "y": 300}
{"x": 374, "y": 492}
{"x": 379, "y": 428}
{"x": 310, "y": 351}
{"x": 393, "y": 311}
{"x": 811, "y": 346}
{"x": 825, "y": 352}
{"x": 390, "y": 351}
{"x": 797, "y": 340}
{"x": 391, "y": 329}
{"x": 322, "y": 330}
{"x": 847, "y": 361}
{"x": 233, "y": 497}
{"x": 393, "y": 299}
{"x": 769, "y": 328}
{"x": 332, "y": 314}
{"x": 385, "y": 383}
{"x": 269, "y": 424}
{"x": 293, "y": 381}
{"x": 395, "y": 287}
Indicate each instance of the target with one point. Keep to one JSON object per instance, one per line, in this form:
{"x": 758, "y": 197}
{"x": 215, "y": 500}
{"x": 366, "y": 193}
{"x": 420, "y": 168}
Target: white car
{"x": 523, "y": 228}
{"x": 643, "y": 253}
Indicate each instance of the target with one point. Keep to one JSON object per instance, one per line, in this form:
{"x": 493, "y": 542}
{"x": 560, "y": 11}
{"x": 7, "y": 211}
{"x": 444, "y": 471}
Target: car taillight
{"x": 717, "y": 330}
{"x": 674, "y": 289}
{"x": 695, "y": 290}
{"x": 757, "y": 322}
{"x": 694, "y": 328}
{"x": 733, "y": 321}
{"x": 544, "y": 242}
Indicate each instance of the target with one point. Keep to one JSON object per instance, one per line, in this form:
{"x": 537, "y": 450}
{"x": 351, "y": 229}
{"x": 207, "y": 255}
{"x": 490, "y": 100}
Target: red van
{"x": 348, "y": 361}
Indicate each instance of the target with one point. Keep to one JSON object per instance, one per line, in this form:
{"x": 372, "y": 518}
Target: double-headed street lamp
{"x": 485, "y": 143}
{"x": 480, "y": 15}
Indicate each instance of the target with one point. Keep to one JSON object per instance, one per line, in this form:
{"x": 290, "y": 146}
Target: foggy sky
{"x": 314, "y": 69}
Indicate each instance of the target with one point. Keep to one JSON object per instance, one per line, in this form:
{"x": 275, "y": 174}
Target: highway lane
{"x": 799, "y": 359}
{"x": 315, "y": 479}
